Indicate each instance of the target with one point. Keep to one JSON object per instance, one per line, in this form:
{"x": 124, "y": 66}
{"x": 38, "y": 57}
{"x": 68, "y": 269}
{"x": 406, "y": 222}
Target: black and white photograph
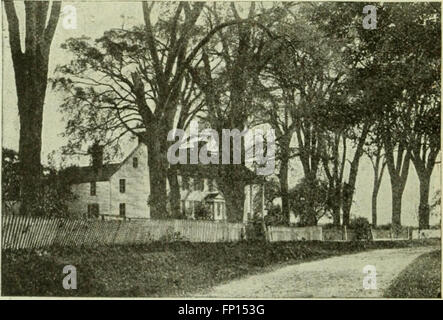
{"x": 221, "y": 150}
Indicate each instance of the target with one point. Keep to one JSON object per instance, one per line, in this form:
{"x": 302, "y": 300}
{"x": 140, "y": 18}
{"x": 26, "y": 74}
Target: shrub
{"x": 311, "y": 200}
{"x": 254, "y": 229}
{"x": 171, "y": 236}
{"x": 361, "y": 228}
{"x": 275, "y": 216}
{"x": 203, "y": 212}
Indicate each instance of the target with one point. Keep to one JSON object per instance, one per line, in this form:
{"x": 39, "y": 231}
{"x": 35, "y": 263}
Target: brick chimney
{"x": 96, "y": 152}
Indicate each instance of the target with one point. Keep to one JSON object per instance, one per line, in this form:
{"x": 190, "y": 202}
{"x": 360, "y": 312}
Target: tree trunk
{"x": 284, "y": 187}
{"x": 424, "y": 167}
{"x": 336, "y": 215}
{"x": 174, "y": 196}
{"x": 234, "y": 198}
{"x": 377, "y": 182}
{"x": 348, "y": 194}
{"x": 336, "y": 205}
{"x": 30, "y": 144}
{"x": 31, "y": 77}
{"x": 158, "y": 169}
{"x": 398, "y": 171}
{"x": 423, "y": 209}
{"x": 31, "y": 89}
{"x": 350, "y": 186}
{"x": 233, "y": 188}
{"x": 379, "y": 167}
{"x": 397, "y": 194}
{"x": 374, "y": 207}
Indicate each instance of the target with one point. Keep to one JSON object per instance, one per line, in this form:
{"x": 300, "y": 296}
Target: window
{"x": 93, "y": 209}
{"x": 122, "y": 185}
{"x": 122, "y": 209}
{"x": 93, "y": 188}
{"x": 211, "y": 185}
{"x": 135, "y": 162}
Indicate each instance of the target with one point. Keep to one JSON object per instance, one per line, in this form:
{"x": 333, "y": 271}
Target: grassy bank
{"x": 421, "y": 279}
{"x": 159, "y": 269}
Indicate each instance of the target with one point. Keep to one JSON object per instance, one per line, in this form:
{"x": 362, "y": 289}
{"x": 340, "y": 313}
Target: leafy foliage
{"x": 361, "y": 228}
{"x": 10, "y": 176}
{"x": 203, "y": 211}
{"x": 53, "y": 196}
{"x": 310, "y": 200}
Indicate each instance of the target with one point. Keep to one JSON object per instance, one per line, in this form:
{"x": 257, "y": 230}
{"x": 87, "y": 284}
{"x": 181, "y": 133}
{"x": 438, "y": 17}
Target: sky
{"x": 93, "y": 18}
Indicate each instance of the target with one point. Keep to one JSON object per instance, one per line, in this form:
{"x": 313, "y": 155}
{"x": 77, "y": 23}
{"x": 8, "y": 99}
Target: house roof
{"x": 85, "y": 174}
{"x": 211, "y": 171}
{"x": 198, "y": 195}
{"x": 195, "y": 195}
{"x": 77, "y": 175}
{"x": 213, "y": 195}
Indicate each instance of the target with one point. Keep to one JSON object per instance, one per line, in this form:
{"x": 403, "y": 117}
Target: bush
{"x": 275, "y": 217}
{"x": 361, "y": 228}
{"x": 171, "y": 236}
{"x": 254, "y": 229}
{"x": 203, "y": 212}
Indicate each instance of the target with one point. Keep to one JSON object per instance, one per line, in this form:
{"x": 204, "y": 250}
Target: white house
{"x": 122, "y": 189}
{"x": 116, "y": 189}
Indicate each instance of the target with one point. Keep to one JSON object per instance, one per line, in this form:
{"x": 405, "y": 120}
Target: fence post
{"x": 116, "y": 232}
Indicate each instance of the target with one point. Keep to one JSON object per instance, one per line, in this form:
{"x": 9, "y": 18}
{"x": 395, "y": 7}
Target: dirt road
{"x": 333, "y": 277}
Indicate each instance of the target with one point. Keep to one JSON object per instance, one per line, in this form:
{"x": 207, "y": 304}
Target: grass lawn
{"x": 159, "y": 269}
{"x": 421, "y": 279}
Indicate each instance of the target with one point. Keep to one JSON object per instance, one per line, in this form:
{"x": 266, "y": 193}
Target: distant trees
{"x": 31, "y": 78}
{"x": 330, "y": 89}
{"x": 398, "y": 81}
{"x": 409, "y": 126}
{"x": 299, "y": 83}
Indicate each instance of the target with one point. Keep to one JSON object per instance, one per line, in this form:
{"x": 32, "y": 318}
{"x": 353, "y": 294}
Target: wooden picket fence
{"x": 281, "y": 233}
{"x": 19, "y": 232}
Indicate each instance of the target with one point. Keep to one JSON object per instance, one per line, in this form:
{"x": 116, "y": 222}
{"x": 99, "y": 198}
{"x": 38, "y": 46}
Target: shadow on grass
{"x": 421, "y": 279}
{"x": 160, "y": 269}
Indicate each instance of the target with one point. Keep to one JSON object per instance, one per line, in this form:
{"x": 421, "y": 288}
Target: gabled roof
{"x": 213, "y": 195}
{"x": 211, "y": 171}
{"x": 198, "y": 195}
{"x": 77, "y": 175}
